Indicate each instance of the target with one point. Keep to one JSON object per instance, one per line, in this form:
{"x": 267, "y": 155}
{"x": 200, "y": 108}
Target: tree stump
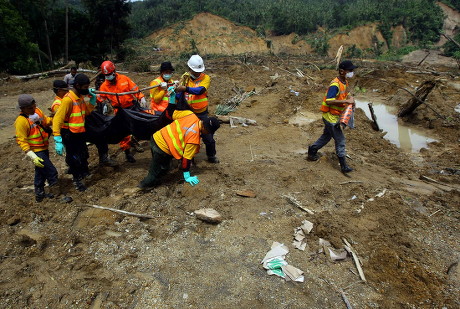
{"x": 418, "y": 99}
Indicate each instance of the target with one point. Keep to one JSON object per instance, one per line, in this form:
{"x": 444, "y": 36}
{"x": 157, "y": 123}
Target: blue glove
{"x": 172, "y": 95}
{"x": 192, "y": 180}
{"x": 58, "y": 146}
{"x": 92, "y": 99}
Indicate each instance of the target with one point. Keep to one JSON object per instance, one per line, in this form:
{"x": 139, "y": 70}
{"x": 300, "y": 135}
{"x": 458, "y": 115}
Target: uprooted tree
{"x": 417, "y": 99}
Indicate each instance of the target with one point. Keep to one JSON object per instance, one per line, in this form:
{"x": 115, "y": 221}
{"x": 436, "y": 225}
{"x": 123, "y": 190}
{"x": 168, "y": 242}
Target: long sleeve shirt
{"x": 63, "y": 112}
{"x": 22, "y": 127}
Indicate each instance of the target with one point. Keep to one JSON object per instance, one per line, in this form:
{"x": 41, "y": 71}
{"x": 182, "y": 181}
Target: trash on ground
{"x": 246, "y": 193}
{"x": 275, "y": 264}
{"x": 208, "y": 215}
{"x": 333, "y": 253}
{"x": 300, "y": 234}
{"x": 291, "y": 199}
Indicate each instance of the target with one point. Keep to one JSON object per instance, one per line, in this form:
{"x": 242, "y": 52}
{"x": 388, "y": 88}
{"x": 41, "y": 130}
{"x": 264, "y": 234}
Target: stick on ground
{"x": 120, "y": 211}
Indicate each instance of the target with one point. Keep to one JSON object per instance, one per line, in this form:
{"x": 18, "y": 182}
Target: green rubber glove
{"x": 58, "y": 145}
{"x": 92, "y": 99}
{"x": 172, "y": 95}
{"x": 192, "y": 180}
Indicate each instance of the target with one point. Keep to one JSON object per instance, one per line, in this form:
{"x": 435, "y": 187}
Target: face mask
{"x": 110, "y": 77}
{"x": 34, "y": 118}
{"x": 83, "y": 91}
{"x": 349, "y": 75}
{"x": 167, "y": 76}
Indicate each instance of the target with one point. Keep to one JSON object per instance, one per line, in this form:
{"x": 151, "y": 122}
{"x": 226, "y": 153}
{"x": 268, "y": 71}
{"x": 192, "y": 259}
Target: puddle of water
{"x": 406, "y": 138}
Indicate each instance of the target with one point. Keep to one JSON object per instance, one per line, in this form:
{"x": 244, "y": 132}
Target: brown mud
{"x": 68, "y": 255}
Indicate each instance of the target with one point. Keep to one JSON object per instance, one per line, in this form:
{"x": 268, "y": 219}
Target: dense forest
{"x": 33, "y": 32}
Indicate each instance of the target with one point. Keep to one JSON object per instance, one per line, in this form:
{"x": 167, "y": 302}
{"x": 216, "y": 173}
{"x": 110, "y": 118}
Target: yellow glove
{"x": 37, "y": 160}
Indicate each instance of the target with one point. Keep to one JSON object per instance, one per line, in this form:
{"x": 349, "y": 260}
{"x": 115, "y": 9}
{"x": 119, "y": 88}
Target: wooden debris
{"x": 208, "y": 215}
{"x": 355, "y": 259}
{"x": 345, "y": 300}
{"x": 375, "y": 124}
{"x": 428, "y": 179}
{"x": 123, "y": 212}
{"x": 246, "y": 193}
{"x": 297, "y": 204}
{"x": 351, "y": 181}
{"x": 420, "y": 95}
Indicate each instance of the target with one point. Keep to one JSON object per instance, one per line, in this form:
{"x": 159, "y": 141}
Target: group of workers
{"x": 74, "y": 100}
{"x": 180, "y": 139}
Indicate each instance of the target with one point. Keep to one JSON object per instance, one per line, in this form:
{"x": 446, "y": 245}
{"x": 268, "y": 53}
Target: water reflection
{"x": 402, "y": 136}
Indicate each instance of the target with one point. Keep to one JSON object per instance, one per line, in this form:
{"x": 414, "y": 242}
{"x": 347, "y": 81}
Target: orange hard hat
{"x": 107, "y": 67}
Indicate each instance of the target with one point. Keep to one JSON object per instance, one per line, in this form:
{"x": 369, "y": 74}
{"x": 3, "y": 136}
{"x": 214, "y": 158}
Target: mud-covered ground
{"x": 68, "y": 255}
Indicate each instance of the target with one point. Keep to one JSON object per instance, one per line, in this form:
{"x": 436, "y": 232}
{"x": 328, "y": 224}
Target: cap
{"x": 347, "y": 65}
{"x": 81, "y": 79}
{"x": 60, "y": 84}
{"x": 211, "y": 124}
{"x": 25, "y": 100}
{"x": 166, "y": 66}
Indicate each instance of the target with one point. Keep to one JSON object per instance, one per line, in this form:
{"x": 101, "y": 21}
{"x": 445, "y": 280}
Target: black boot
{"x": 105, "y": 160}
{"x": 343, "y": 165}
{"x": 213, "y": 159}
{"x": 129, "y": 156}
{"x": 39, "y": 194}
{"x": 312, "y": 154}
{"x": 79, "y": 185}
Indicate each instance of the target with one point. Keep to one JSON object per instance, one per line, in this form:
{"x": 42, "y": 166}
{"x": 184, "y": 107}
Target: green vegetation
{"x": 396, "y": 54}
{"x": 423, "y": 18}
{"x": 32, "y": 32}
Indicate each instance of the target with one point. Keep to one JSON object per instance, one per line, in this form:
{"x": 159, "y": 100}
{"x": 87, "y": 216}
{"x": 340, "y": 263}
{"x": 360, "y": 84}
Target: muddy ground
{"x": 68, "y": 255}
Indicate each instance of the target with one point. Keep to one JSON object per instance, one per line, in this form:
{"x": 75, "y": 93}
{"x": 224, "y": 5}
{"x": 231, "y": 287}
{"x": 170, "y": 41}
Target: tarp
{"x": 112, "y": 129}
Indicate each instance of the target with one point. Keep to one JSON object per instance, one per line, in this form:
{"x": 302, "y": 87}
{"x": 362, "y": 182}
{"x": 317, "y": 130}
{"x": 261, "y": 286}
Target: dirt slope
{"x": 209, "y": 34}
{"x": 59, "y": 255}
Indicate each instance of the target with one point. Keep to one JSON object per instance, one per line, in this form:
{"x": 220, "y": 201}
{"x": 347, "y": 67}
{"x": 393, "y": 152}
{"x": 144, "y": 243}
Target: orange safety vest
{"x": 75, "y": 122}
{"x": 197, "y": 102}
{"x": 56, "y": 104}
{"x": 181, "y": 132}
{"x": 163, "y": 104}
{"x": 37, "y": 137}
{"x": 123, "y": 84}
{"x": 342, "y": 95}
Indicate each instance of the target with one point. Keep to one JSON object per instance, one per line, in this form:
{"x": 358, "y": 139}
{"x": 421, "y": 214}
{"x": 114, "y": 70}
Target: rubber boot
{"x": 343, "y": 165}
{"x": 136, "y": 145}
{"x": 213, "y": 159}
{"x": 39, "y": 194}
{"x": 79, "y": 185}
{"x": 312, "y": 154}
{"x": 129, "y": 156}
{"x": 105, "y": 160}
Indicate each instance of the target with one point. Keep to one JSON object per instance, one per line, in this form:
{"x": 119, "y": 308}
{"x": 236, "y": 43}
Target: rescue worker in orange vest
{"x": 60, "y": 89}
{"x": 194, "y": 85}
{"x": 118, "y": 83}
{"x": 179, "y": 140}
{"x": 159, "y": 99}
{"x": 69, "y": 129}
{"x": 32, "y": 132}
{"x": 334, "y": 103}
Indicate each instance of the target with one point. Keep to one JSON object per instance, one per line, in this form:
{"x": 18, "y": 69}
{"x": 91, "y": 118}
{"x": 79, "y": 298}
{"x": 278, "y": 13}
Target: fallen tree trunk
{"x": 418, "y": 99}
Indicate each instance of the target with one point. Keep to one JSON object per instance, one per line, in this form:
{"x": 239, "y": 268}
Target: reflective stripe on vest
{"x": 75, "y": 122}
{"x": 37, "y": 136}
{"x": 163, "y": 104}
{"x": 197, "y": 101}
{"x": 56, "y": 104}
{"x": 179, "y": 133}
{"x": 342, "y": 95}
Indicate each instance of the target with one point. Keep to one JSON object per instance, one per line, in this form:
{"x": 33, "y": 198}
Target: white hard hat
{"x": 196, "y": 63}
